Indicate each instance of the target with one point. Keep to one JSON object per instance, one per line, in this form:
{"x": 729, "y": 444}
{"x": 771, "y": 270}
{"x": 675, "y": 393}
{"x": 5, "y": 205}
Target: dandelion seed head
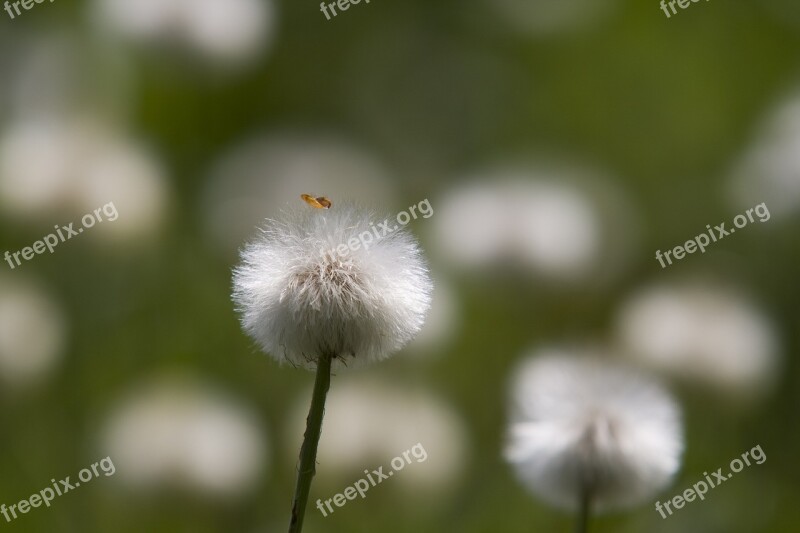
{"x": 704, "y": 334}
{"x": 581, "y": 422}
{"x": 301, "y": 298}
{"x": 181, "y": 434}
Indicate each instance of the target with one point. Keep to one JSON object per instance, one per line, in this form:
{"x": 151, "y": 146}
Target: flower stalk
{"x": 584, "y": 510}
{"x": 308, "y": 452}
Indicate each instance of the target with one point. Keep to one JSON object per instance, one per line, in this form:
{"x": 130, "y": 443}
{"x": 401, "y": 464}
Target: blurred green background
{"x": 197, "y": 134}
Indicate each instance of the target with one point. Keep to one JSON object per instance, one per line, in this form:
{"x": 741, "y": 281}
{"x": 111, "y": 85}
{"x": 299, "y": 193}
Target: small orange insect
{"x": 319, "y": 202}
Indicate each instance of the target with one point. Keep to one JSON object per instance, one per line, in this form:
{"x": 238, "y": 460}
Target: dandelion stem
{"x": 308, "y": 452}
{"x": 582, "y": 526}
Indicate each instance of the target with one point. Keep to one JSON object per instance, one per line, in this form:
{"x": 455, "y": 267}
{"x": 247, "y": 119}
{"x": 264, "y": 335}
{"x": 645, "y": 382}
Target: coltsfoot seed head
{"x": 581, "y": 423}
{"x": 325, "y": 281}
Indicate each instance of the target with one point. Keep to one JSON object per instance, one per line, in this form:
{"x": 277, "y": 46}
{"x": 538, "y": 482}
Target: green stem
{"x": 582, "y": 526}
{"x": 308, "y": 452}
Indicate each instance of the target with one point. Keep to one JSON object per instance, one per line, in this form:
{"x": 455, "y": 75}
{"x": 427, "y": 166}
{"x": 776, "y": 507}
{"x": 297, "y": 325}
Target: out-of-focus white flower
{"x": 368, "y": 422}
{"x": 222, "y": 30}
{"x": 548, "y": 226}
{"x": 227, "y": 29}
{"x": 472, "y": 225}
{"x": 32, "y": 332}
{"x": 558, "y": 227}
{"x": 69, "y": 168}
{"x": 126, "y": 174}
{"x": 265, "y": 174}
{"x": 440, "y": 324}
{"x": 552, "y": 17}
{"x": 584, "y": 424}
{"x": 37, "y": 160}
{"x": 300, "y": 299}
{"x": 185, "y": 436}
{"x": 702, "y": 333}
{"x": 769, "y": 171}
{"x": 555, "y": 228}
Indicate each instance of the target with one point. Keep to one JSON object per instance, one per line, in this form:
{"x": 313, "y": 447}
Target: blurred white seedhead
{"x": 38, "y": 166}
{"x": 301, "y": 299}
{"x": 440, "y": 325}
{"x": 220, "y": 30}
{"x": 545, "y": 18}
{"x": 584, "y": 424}
{"x": 32, "y": 332}
{"x": 184, "y": 436}
{"x": 769, "y": 171}
{"x": 126, "y": 174}
{"x": 703, "y": 333}
{"x": 545, "y": 221}
{"x": 369, "y": 422}
{"x": 67, "y": 168}
{"x": 264, "y": 174}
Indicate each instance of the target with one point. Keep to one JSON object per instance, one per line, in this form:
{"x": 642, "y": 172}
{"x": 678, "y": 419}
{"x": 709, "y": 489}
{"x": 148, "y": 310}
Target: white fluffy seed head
{"x": 300, "y": 298}
{"x": 582, "y": 422}
{"x": 705, "y": 334}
